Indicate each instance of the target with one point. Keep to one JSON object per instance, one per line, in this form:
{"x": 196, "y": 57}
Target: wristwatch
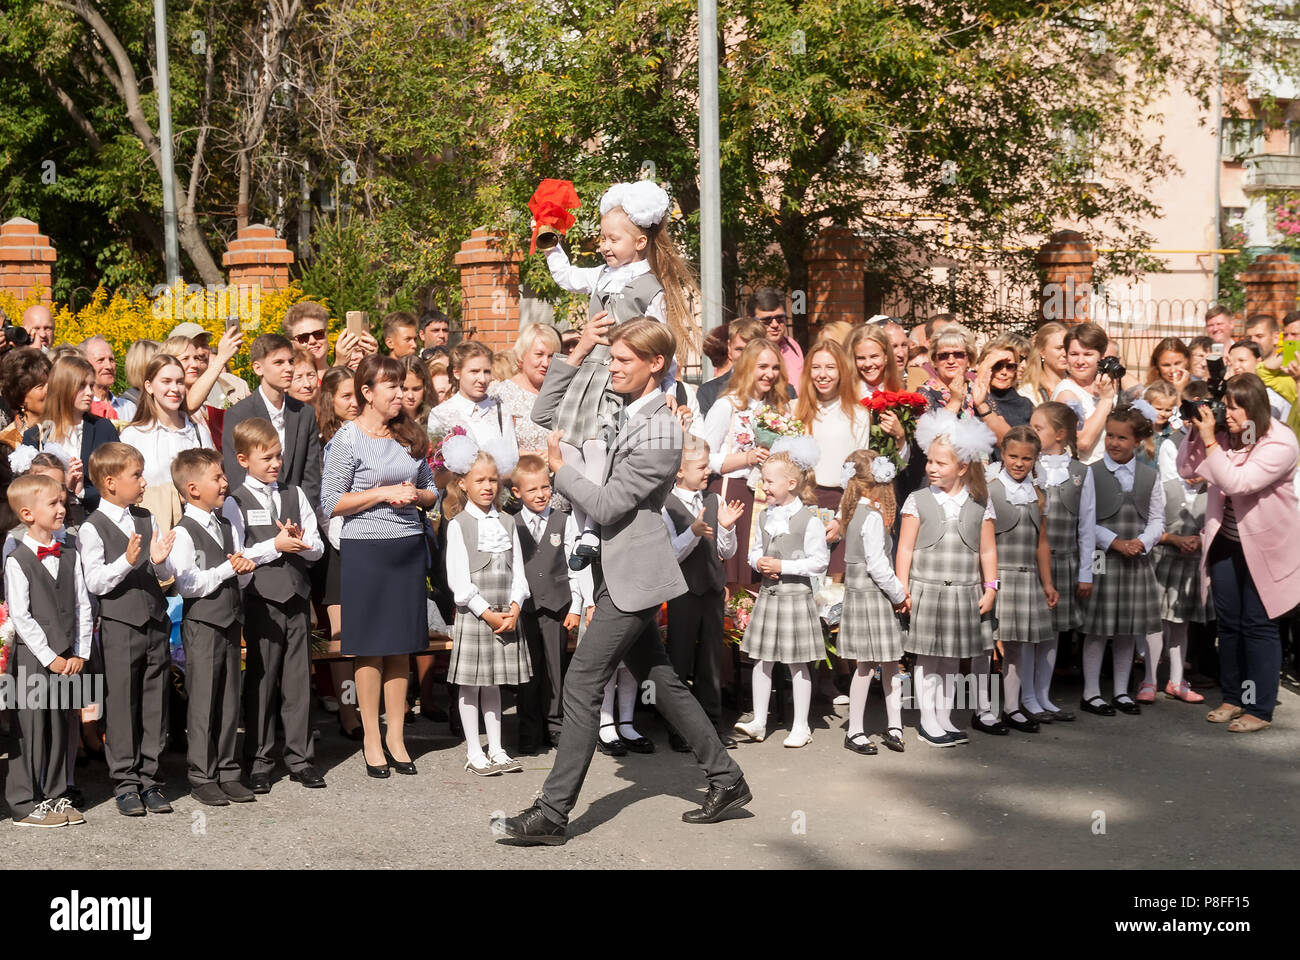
{"x": 986, "y": 413}
{"x": 992, "y": 584}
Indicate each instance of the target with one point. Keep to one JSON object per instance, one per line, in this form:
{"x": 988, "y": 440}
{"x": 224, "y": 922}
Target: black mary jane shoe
{"x": 405, "y": 767}
{"x": 892, "y": 742}
{"x": 866, "y": 747}
{"x": 1126, "y": 704}
{"x": 1026, "y": 725}
{"x": 638, "y": 745}
{"x": 1098, "y": 706}
{"x": 612, "y": 748}
{"x": 997, "y": 728}
{"x": 1061, "y": 716}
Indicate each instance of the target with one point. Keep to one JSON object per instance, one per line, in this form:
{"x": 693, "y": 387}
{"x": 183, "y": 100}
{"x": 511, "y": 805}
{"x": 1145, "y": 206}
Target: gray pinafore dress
{"x": 1063, "y": 501}
{"x": 479, "y": 657}
{"x": 588, "y": 406}
{"x": 869, "y": 628}
{"x": 1125, "y": 597}
{"x": 945, "y": 582}
{"x": 1178, "y": 573}
{"x": 784, "y": 626}
{"x": 1023, "y": 614}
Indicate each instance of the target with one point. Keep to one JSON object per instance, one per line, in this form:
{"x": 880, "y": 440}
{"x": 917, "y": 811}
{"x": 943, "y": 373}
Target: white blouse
{"x": 159, "y": 446}
{"x": 463, "y": 590}
{"x": 729, "y": 431}
{"x": 949, "y": 503}
{"x": 1068, "y": 391}
{"x": 878, "y": 563}
{"x": 816, "y": 556}
{"x": 837, "y": 436}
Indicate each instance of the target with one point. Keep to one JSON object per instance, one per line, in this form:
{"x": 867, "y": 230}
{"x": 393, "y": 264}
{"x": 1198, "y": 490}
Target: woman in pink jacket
{"x": 1251, "y": 546}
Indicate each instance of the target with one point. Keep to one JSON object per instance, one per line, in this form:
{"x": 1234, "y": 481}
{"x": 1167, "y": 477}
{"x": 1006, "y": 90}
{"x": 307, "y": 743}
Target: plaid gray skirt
{"x": 1125, "y": 599}
{"x": 784, "y": 626}
{"x": 479, "y": 658}
{"x": 946, "y": 587}
{"x": 1063, "y": 538}
{"x": 869, "y": 628}
{"x": 1021, "y": 608}
{"x": 588, "y": 405}
{"x": 1179, "y": 576}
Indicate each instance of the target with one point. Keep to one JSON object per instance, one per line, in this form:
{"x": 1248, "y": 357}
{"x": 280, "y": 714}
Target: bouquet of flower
{"x": 770, "y": 425}
{"x": 906, "y": 406}
{"x": 740, "y": 607}
{"x": 437, "y": 462}
{"x": 6, "y": 637}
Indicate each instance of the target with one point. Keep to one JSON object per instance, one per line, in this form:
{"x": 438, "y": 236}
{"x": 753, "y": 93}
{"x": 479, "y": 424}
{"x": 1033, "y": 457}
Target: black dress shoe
{"x": 997, "y": 728}
{"x": 531, "y": 829}
{"x": 677, "y": 743}
{"x": 259, "y": 782}
{"x": 959, "y": 738}
{"x": 639, "y": 745}
{"x": 614, "y": 748}
{"x": 554, "y": 738}
{"x": 720, "y": 802}
{"x": 894, "y": 743}
{"x": 727, "y": 739}
{"x": 528, "y": 748}
{"x": 308, "y": 777}
{"x": 1026, "y": 724}
{"x": 379, "y": 773}
{"x": 944, "y": 740}
{"x": 154, "y": 801}
{"x": 865, "y": 747}
{"x": 405, "y": 767}
{"x": 74, "y": 797}
{"x": 236, "y": 792}
{"x": 1126, "y": 704}
{"x": 356, "y": 735}
{"x": 1098, "y": 706}
{"x": 130, "y": 805}
{"x": 208, "y": 794}
{"x": 1061, "y": 716}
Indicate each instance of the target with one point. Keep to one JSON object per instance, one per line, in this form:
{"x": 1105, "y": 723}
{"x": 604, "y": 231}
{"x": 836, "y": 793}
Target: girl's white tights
{"x": 621, "y": 686}
{"x": 1017, "y": 676}
{"x": 1121, "y": 652}
{"x": 801, "y": 681}
{"x": 936, "y": 685}
{"x": 470, "y": 701}
{"x": 1174, "y": 641}
{"x": 590, "y": 462}
{"x": 892, "y": 680}
{"x": 1044, "y": 668}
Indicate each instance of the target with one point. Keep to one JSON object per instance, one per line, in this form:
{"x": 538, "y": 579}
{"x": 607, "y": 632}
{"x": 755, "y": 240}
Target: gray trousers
{"x": 212, "y": 683}
{"x": 38, "y": 745}
{"x": 633, "y": 638}
{"x": 278, "y": 654}
{"x": 695, "y": 646}
{"x": 541, "y": 705}
{"x": 137, "y": 671}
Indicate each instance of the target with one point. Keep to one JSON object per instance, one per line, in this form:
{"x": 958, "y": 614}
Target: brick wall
{"x": 258, "y": 256}
{"x": 489, "y": 289}
{"x": 26, "y": 261}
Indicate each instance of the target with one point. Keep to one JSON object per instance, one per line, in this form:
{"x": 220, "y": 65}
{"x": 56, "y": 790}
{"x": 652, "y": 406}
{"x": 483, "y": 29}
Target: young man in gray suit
{"x": 636, "y": 572}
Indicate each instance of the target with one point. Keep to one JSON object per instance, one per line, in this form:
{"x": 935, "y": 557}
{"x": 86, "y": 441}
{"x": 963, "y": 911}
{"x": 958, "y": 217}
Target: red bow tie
{"x": 51, "y": 551}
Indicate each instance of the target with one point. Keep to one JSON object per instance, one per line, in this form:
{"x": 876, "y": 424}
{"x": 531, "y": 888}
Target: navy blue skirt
{"x": 383, "y": 595}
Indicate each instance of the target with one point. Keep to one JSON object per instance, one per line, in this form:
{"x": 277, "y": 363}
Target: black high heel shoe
{"x": 405, "y": 767}
{"x": 379, "y": 773}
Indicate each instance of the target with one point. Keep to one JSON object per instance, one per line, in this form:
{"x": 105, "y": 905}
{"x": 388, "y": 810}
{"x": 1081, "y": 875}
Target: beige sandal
{"x": 1247, "y": 723}
{"x": 1223, "y": 713}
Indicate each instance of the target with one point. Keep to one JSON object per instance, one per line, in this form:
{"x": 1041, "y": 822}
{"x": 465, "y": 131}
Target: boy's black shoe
{"x": 260, "y": 782}
{"x": 130, "y": 805}
{"x": 154, "y": 801}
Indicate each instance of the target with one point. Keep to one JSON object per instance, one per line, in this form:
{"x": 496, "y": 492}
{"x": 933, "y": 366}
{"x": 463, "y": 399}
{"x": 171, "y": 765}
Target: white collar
{"x": 1019, "y": 492}
{"x": 687, "y": 496}
{"x": 203, "y": 517}
{"x": 532, "y": 515}
{"x": 183, "y": 429}
{"x": 1054, "y": 459}
{"x": 477, "y": 512}
{"x": 785, "y": 511}
{"x": 1114, "y": 467}
{"x": 479, "y": 406}
{"x": 636, "y": 406}
{"x": 34, "y": 545}
{"x": 270, "y": 407}
{"x": 960, "y": 497}
{"x": 257, "y": 486}
{"x": 626, "y": 272}
{"x": 113, "y": 511}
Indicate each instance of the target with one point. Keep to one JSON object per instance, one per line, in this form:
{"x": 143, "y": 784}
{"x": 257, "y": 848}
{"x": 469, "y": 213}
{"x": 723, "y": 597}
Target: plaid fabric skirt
{"x": 588, "y": 404}
{"x": 946, "y": 620}
{"x": 1125, "y": 599}
{"x": 869, "y": 628}
{"x": 1022, "y": 611}
{"x": 1179, "y": 576}
{"x": 479, "y": 658}
{"x": 784, "y": 626}
{"x": 1062, "y": 537}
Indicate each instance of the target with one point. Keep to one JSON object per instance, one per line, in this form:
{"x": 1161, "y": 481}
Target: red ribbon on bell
{"x": 550, "y": 205}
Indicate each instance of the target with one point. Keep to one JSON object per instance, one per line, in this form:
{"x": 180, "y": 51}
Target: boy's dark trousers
{"x": 137, "y": 675}
{"x": 541, "y": 699}
{"x": 212, "y": 683}
{"x": 278, "y": 638}
{"x": 695, "y": 646}
{"x": 38, "y": 743}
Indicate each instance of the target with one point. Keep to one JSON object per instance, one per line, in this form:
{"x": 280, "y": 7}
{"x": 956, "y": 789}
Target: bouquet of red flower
{"x": 7, "y": 637}
{"x": 740, "y": 607}
{"x": 906, "y": 406}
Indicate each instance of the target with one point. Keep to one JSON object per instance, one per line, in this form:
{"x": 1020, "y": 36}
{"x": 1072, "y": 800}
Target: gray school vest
{"x": 789, "y": 546}
{"x": 286, "y": 577}
{"x": 932, "y": 523}
{"x": 1006, "y": 514}
{"x": 701, "y": 567}
{"x": 469, "y": 533}
{"x": 853, "y": 552}
{"x": 138, "y": 599}
{"x": 631, "y": 301}
{"x": 53, "y": 600}
{"x": 545, "y": 566}
{"x": 224, "y": 606}
{"x": 1183, "y": 517}
{"x": 1110, "y": 497}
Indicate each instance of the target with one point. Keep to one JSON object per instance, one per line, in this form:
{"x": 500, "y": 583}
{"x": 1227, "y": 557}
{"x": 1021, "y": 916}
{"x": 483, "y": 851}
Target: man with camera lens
{"x": 11, "y": 336}
{"x": 38, "y": 322}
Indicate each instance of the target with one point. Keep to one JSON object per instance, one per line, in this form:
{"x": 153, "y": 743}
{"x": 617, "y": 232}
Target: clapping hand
{"x": 729, "y": 513}
{"x": 133, "y": 546}
{"x": 240, "y": 563}
{"x": 289, "y": 539}
{"x": 554, "y": 456}
{"x": 700, "y": 528}
{"x": 160, "y": 548}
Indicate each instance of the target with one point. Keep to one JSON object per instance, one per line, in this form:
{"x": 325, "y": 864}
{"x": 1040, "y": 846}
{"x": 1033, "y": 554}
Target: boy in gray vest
{"x": 125, "y": 558}
{"x": 210, "y": 576}
{"x": 276, "y": 529}
{"x": 702, "y": 531}
{"x": 50, "y": 610}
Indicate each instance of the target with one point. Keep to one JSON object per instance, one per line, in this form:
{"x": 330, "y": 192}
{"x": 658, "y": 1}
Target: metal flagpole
{"x": 171, "y": 250}
{"x": 710, "y": 176}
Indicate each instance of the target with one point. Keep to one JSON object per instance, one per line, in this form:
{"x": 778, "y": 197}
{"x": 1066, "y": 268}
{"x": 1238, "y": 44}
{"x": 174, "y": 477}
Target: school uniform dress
{"x": 1071, "y": 534}
{"x": 784, "y": 626}
{"x": 213, "y": 613}
{"x": 135, "y": 640}
{"x": 1130, "y": 504}
{"x": 837, "y": 435}
{"x": 485, "y": 569}
{"x": 945, "y": 579}
{"x": 50, "y": 610}
{"x": 384, "y": 556}
{"x": 869, "y": 628}
{"x": 1021, "y": 608}
{"x": 277, "y": 620}
{"x": 695, "y": 618}
{"x": 1179, "y": 574}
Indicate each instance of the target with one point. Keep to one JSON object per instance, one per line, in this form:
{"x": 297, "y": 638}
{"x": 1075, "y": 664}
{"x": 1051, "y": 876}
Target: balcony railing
{"x": 1272, "y": 171}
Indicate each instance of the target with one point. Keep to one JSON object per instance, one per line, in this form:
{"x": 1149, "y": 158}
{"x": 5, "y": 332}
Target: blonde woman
{"x": 137, "y": 359}
{"x": 1046, "y": 365}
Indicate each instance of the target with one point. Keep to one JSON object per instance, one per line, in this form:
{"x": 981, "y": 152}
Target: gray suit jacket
{"x": 636, "y": 556}
{"x": 302, "y": 452}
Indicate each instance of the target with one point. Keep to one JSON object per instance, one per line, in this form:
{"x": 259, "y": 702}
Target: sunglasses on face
{"x": 950, "y": 355}
{"x": 775, "y": 319}
{"x": 309, "y": 336}
{"x": 1005, "y": 366}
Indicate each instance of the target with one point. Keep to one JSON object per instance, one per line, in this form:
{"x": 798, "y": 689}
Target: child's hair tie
{"x": 802, "y": 451}
{"x": 970, "y": 439}
{"x": 847, "y": 472}
{"x": 1144, "y": 408}
{"x": 645, "y": 203}
{"x": 20, "y": 461}
{"x": 883, "y": 470}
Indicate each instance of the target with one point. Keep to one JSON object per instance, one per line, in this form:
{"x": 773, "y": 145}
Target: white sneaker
{"x": 752, "y": 731}
{"x": 482, "y": 766}
{"x": 502, "y": 762}
{"x": 798, "y": 738}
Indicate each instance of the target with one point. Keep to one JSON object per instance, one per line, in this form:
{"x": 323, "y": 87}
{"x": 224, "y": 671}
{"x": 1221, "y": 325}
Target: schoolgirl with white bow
{"x": 790, "y": 550}
{"x": 644, "y": 276}
{"x": 870, "y": 631}
{"x": 485, "y": 570}
{"x": 947, "y": 559}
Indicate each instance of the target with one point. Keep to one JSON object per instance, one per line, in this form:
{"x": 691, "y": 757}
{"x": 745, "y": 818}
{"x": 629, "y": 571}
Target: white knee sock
{"x": 489, "y": 702}
{"x": 593, "y": 468}
{"x": 1121, "y": 653}
{"x": 1011, "y": 680}
{"x": 1155, "y": 646}
{"x": 801, "y": 680}
{"x": 762, "y": 691}
{"x": 928, "y": 681}
{"x": 1176, "y": 637}
{"x": 626, "y": 702}
{"x": 947, "y": 666}
{"x": 982, "y": 667}
{"x": 1094, "y": 648}
{"x": 467, "y": 700}
{"x": 891, "y": 677}
{"x": 608, "y": 731}
{"x": 858, "y": 690}
{"x": 1044, "y": 667}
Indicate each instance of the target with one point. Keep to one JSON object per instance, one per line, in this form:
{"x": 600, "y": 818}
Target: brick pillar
{"x": 1065, "y": 270}
{"x": 26, "y": 261}
{"x": 1272, "y": 282}
{"x": 258, "y": 256}
{"x": 489, "y": 289}
{"x": 837, "y": 263}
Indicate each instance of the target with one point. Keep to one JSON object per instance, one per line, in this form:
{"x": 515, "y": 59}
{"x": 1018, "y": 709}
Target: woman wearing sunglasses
{"x": 952, "y": 350}
{"x": 993, "y": 393}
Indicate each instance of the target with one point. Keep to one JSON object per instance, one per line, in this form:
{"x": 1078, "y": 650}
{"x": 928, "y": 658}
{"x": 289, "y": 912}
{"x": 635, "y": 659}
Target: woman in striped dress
{"x": 870, "y": 632}
{"x": 947, "y": 560}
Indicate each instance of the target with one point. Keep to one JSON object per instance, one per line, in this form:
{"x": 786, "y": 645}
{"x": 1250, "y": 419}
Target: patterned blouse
{"x": 356, "y": 461}
{"x": 518, "y": 403}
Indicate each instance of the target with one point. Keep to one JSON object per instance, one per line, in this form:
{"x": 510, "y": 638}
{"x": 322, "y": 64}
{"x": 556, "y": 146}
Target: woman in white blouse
{"x": 1091, "y": 395}
{"x": 161, "y": 429}
{"x": 757, "y": 380}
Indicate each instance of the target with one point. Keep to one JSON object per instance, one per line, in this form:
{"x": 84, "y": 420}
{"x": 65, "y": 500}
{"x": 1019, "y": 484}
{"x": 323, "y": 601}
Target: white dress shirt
{"x": 684, "y": 542}
{"x": 1053, "y": 469}
{"x": 837, "y": 436}
{"x": 268, "y": 495}
{"x": 1019, "y": 492}
{"x": 18, "y": 594}
{"x": 1167, "y": 459}
{"x": 190, "y": 580}
{"x": 1155, "y": 525}
{"x": 722, "y": 424}
{"x": 274, "y": 414}
{"x": 159, "y": 446}
{"x": 102, "y": 577}
{"x": 816, "y": 555}
{"x": 949, "y": 503}
{"x": 480, "y": 419}
{"x": 464, "y": 593}
{"x": 536, "y": 523}
{"x": 879, "y": 565}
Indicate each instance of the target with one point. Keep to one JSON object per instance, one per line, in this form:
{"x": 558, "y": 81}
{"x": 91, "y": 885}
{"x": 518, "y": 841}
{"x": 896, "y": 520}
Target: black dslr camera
{"x": 1189, "y": 409}
{"x": 15, "y": 336}
{"x": 1111, "y": 367}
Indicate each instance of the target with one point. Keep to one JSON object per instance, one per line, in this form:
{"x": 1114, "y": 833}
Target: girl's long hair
{"x": 893, "y": 377}
{"x": 454, "y": 499}
{"x": 1062, "y": 418}
{"x": 807, "y": 405}
{"x": 67, "y": 376}
{"x": 678, "y": 280}
{"x": 412, "y": 364}
{"x": 741, "y": 385}
{"x": 375, "y": 369}
{"x": 863, "y": 484}
{"x": 1034, "y": 365}
{"x": 146, "y": 411}
{"x": 326, "y": 419}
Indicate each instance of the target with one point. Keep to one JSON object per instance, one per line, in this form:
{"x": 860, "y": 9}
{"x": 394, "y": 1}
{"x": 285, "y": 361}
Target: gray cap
{"x": 188, "y": 329}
